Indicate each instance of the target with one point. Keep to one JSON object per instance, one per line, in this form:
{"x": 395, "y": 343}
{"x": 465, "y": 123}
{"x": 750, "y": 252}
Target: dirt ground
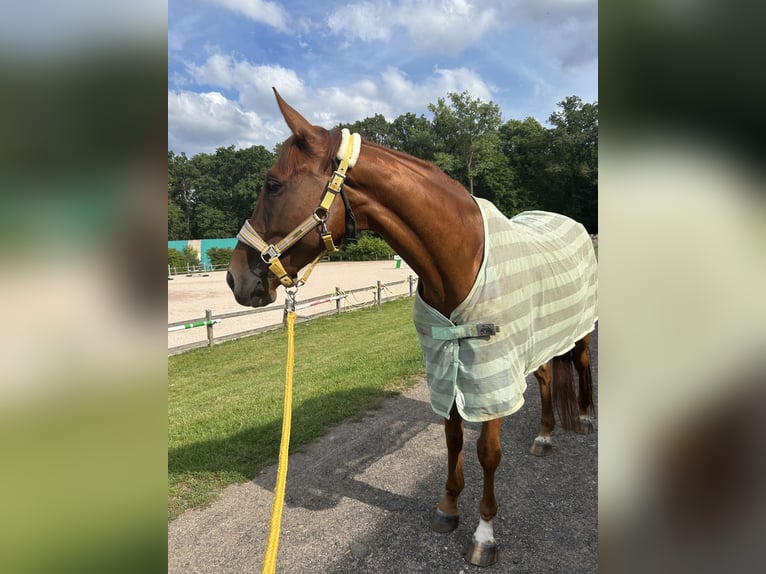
{"x": 188, "y": 297}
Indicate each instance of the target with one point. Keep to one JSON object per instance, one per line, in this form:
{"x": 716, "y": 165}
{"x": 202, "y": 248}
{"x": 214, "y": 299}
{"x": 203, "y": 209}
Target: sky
{"x": 345, "y": 60}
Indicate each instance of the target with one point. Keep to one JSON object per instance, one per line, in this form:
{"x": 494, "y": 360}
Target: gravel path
{"x": 358, "y": 500}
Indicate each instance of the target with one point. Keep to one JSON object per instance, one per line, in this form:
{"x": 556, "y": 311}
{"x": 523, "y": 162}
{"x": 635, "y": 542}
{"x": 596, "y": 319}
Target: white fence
{"x": 335, "y": 302}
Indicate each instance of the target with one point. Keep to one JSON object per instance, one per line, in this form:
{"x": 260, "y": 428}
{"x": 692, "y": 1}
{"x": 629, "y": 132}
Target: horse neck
{"x": 428, "y": 218}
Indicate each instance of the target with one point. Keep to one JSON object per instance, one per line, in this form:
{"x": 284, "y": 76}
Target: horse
{"x": 439, "y": 229}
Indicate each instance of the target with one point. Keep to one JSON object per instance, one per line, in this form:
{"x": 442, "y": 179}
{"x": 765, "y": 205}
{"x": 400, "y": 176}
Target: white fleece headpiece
{"x": 357, "y": 142}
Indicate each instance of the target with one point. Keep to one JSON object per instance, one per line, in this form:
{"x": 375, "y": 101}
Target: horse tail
{"x": 586, "y": 386}
{"x": 564, "y": 394}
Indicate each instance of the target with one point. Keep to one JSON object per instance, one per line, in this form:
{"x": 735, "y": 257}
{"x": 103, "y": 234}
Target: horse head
{"x": 288, "y": 201}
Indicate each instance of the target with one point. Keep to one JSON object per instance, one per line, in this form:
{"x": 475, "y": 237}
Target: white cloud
{"x": 182, "y": 30}
{"x": 262, "y": 11}
{"x": 364, "y": 20}
{"x": 217, "y": 70}
{"x": 552, "y": 9}
{"x": 225, "y": 71}
{"x": 576, "y": 43}
{"x": 443, "y": 26}
{"x": 565, "y": 28}
{"x": 390, "y": 94}
{"x": 409, "y": 95}
{"x": 252, "y": 82}
{"x": 447, "y": 26}
{"x": 250, "y": 116}
{"x": 202, "y": 122}
{"x": 351, "y": 59}
{"x": 460, "y": 80}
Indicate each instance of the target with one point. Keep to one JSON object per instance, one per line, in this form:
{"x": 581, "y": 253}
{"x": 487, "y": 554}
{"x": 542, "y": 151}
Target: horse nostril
{"x": 230, "y": 280}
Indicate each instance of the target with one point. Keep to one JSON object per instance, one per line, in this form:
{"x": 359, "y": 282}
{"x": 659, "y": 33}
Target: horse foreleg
{"x": 445, "y": 517}
{"x": 542, "y": 445}
{"x": 581, "y": 360}
{"x": 482, "y": 551}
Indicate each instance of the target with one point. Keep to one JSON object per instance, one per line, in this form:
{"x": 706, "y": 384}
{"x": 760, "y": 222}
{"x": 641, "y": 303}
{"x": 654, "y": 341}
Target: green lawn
{"x": 225, "y": 403}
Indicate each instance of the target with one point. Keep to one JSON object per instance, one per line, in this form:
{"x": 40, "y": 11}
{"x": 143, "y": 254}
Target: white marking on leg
{"x": 484, "y": 532}
{"x": 543, "y": 439}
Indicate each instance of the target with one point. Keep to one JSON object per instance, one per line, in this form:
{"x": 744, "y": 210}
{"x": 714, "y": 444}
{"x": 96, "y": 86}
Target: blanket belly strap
{"x": 475, "y": 329}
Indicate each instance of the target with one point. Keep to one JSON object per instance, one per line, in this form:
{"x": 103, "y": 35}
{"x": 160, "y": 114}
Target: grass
{"x": 225, "y": 403}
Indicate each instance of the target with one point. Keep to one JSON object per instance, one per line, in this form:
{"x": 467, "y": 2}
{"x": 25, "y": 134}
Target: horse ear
{"x": 296, "y": 122}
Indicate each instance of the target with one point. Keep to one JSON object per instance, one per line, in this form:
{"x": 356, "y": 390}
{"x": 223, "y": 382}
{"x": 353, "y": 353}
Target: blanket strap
{"x": 475, "y": 329}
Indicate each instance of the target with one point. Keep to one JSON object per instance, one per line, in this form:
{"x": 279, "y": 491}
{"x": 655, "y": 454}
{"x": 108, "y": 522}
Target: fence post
{"x": 378, "y": 291}
{"x": 209, "y": 319}
{"x": 409, "y": 280}
{"x": 337, "y": 301}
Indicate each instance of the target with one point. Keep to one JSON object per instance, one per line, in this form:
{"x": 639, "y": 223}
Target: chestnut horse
{"x": 437, "y": 228}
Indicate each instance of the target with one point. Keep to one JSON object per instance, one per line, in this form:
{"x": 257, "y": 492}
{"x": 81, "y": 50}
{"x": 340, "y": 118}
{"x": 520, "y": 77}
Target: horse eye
{"x": 273, "y": 186}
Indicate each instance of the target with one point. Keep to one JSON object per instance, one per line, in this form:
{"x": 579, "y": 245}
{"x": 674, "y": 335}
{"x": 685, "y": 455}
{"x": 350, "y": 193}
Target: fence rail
{"x": 380, "y": 291}
{"x": 195, "y": 269}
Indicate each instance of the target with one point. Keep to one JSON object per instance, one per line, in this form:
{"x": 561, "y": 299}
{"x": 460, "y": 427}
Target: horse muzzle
{"x": 251, "y": 288}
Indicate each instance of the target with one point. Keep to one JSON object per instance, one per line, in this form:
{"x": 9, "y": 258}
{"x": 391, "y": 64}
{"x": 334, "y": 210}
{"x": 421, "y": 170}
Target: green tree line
{"x": 517, "y": 164}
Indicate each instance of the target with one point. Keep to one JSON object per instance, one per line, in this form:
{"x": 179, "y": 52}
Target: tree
{"x": 526, "y": 146}
{"x": 192, "y": 259}
{"x": 213, "y": 223}
{"x": 219, "y": 256}
{"x": 517, "y": 165}
{"x": 374, "y": 129}
{"x": 573, "y": 168}
{"x": 182, "y": 175}
{"x": 228, "y": 189}
{"x": 210, "y": 195}
{"x": 369, "y": 247}
{"x": 413, "y": 135}
{"x": 466, "y": 134}
{"x": 176, "y": 260}
{"x": 178, "y": 225}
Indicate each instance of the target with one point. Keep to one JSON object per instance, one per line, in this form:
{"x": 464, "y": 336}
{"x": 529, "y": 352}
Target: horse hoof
{"x": 443, "y": 522}
{"x": 584, "y": 425}
{"x": 481, "y": 554}
{"x": 541, "y": 446}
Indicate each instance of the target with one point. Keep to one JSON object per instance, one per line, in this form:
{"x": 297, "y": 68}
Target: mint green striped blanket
{"x": 538, "y": 285}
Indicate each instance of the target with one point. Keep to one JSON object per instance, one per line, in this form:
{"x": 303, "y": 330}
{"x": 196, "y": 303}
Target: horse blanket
{"x": 533, "y": 298}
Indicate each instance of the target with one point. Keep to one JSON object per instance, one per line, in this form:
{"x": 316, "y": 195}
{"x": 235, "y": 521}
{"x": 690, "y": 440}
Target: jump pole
{"x": 193, "y": 325}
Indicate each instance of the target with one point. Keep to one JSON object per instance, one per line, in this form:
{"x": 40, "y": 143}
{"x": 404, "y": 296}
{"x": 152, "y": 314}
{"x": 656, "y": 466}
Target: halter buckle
{"x": 269, "y": 253}
{"x": 336, "y": 181}
{"x": 321, "y": 215}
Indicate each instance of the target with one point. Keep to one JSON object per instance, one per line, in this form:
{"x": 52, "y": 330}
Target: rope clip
{"x": 291, "y": 295}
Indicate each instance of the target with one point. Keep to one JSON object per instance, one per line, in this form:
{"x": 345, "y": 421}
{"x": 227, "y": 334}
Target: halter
{"x": 270, "y": 253}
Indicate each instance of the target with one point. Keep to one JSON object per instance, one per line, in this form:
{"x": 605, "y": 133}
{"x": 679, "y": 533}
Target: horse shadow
{"x": 320, "y": 473}
{"x": 345, "y": 463}
{"x": 393, "y": 461}
{"x": 323, "y": 472}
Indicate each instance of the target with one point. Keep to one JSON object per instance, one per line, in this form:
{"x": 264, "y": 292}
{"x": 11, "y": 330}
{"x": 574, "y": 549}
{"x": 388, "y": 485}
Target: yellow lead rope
{"x": 248, "y": 235}
{"x": 270, "y": 559}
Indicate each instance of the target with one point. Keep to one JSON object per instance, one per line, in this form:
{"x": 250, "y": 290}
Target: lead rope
{"x": 270, "y": 558}
{"x": 275, "y": 525}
